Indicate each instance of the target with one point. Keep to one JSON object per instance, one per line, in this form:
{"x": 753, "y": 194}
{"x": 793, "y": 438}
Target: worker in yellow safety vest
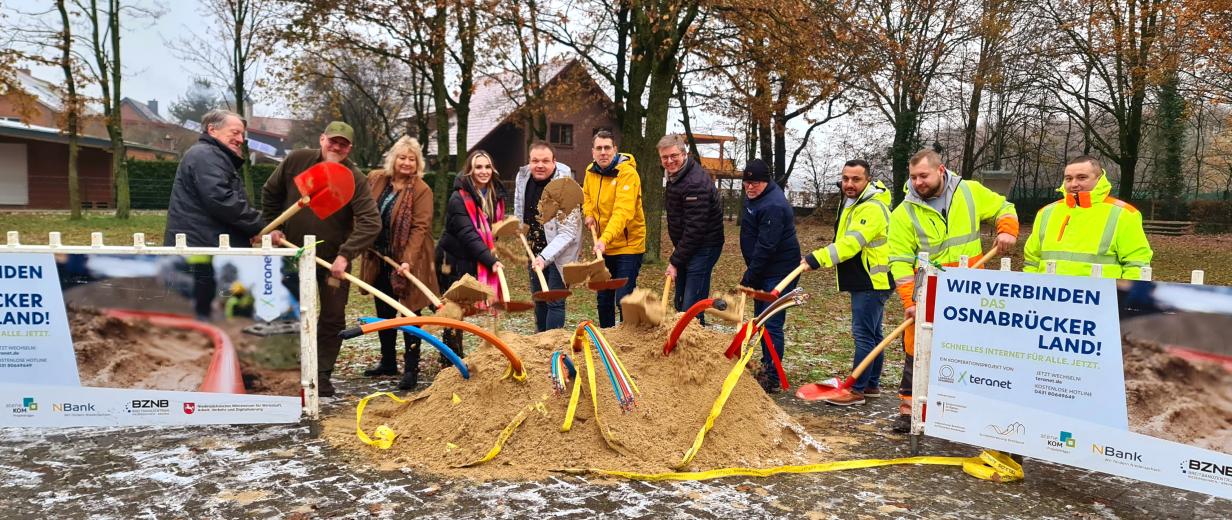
{"x": 859, "y": 255}
{"x": 940, "y": 215}
{"x": 1088, "y": 227}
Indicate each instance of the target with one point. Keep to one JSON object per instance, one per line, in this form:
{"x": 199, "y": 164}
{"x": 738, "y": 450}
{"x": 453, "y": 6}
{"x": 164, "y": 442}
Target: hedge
{"x": 150, "y": 182}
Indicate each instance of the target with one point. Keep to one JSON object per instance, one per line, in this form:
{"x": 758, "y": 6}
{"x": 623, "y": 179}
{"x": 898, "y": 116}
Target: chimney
{"x": 153, "y": 104}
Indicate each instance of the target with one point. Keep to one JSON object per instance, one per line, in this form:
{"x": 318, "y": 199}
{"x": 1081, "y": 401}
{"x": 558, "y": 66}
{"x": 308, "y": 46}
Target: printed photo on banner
{"x": 224, "y": 324}
{"x": 1126, "y": 377}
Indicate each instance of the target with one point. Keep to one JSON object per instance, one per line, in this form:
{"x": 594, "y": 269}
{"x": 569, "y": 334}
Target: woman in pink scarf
{"x": 466, "y": 244}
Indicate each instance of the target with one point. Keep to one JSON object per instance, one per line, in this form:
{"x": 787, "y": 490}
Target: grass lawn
{"x": 819, "y": 343}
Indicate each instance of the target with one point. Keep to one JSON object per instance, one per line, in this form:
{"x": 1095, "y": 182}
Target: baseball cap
{"x": 340, "y": 129}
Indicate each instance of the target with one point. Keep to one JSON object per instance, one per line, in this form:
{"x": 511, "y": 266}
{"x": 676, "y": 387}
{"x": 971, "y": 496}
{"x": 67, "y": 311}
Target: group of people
{"x": 873, "y": 253}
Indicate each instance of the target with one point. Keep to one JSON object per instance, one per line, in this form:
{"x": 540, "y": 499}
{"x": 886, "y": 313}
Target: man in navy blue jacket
{"x": 770, "y": 250}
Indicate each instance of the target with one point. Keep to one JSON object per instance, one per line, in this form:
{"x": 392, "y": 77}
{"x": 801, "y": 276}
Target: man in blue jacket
{"x": 770, "y": 250}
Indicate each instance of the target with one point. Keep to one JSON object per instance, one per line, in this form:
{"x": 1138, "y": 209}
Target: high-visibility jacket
{"x": 1091, "y": 228}
{"x": 916, "y": 227}
{"x": 613, "y": 196}
{"x": 862, "y": 229}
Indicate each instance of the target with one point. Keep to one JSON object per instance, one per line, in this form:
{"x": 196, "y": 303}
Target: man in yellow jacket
{"x": 1088, "y": 227}
{"x": 860, "y": 255}
{"x": 940, "y": 215}
{"x": 613, "y": 208}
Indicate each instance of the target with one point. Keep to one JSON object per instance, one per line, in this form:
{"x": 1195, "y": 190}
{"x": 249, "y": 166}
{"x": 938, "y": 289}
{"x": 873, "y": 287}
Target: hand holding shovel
{"x": 834, "y": 387}
{"x": 544, "y": 294}
{"x": 360, "y": 283}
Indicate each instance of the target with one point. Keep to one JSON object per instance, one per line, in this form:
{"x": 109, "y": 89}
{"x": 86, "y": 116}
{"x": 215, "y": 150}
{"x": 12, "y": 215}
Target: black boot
{"x": 389, "y": 355}
{"x": 410, "y": 377}
{"x": 324, "y": 387}
{"x": 453, "y": 339}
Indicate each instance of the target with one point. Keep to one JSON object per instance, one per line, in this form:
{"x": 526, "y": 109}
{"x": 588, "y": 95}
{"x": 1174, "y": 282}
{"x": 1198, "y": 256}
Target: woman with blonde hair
{"x": 405, "y": 204}
{"x": 466, "y": 244}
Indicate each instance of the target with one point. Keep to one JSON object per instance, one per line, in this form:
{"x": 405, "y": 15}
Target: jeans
{"x": 548, "y": 315}
{"x": 774, "y": 328}
{"x": 389, "y": 338}
{"x": 693, "y": 282}
{"x": 867, "y": 309}
{"x": 621, "y": 266}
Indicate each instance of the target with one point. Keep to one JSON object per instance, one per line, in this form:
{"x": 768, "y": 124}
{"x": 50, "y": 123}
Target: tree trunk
{"x": 238, "y": 61}
{"x": 905, "y": 143}
{"x": 115, "y": 128}
{"x": 72, "y": 106}
{"x": 440, "y": 98}
{"x": 1169, "y": 145}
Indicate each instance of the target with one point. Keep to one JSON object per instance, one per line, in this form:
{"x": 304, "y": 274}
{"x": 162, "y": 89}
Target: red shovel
{"x": 326, "y": 188}
{"x": 834, "y": 388}
{"x": 606, "y": 285}
{"x": 544, "y": 294}
{"x": 769, "y": 296}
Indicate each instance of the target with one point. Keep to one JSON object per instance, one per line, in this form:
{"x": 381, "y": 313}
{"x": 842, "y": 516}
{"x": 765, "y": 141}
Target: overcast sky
{"x": 150, "y": 69}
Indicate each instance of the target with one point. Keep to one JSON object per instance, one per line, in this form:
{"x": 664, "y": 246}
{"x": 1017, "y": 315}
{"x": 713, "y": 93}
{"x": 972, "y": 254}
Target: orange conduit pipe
{"x": 515, "y": 363}
{"x": 223, "y": 375}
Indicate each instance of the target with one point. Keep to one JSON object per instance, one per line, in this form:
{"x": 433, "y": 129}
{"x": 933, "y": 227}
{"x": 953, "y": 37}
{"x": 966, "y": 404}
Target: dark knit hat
{"x": 757, "y": 171}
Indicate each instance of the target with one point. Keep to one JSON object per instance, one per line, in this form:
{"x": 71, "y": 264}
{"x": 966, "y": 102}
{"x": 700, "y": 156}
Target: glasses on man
{"x": 671, "y": 157}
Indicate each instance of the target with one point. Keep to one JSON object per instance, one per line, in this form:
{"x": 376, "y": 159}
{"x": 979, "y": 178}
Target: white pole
{"x": 1006, "y": 264}
{"x": 1197, "y": 277}
{"x": 308, "y": 312}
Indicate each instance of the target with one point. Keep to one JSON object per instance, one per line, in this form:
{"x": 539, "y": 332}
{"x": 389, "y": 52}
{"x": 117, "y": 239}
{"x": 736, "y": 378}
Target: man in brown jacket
{"x": 346, "y": 235}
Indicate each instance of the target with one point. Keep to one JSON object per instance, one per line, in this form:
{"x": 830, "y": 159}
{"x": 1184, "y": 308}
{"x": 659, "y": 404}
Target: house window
{"x": 560, "y": 134}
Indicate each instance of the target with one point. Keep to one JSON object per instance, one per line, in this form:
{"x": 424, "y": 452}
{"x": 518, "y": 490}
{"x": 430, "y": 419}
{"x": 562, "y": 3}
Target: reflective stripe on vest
{"x": 1101, "y": 255}
{"x": 972, "y": 236}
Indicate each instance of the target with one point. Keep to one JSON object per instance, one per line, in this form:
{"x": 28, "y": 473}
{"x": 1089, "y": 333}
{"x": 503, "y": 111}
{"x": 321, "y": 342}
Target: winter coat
{"x": 613, "y": 197}
{"x": 208, "y": 198}
{"x": 694, "y": 216}
{"x": 860, "y": 248}
{"x": 564, "y": 236}
{"x": 768, "y": 238}
{"x": 1091, "y": 228}
{"x": 460, "y": 248}
{"x": 419, "y": 249}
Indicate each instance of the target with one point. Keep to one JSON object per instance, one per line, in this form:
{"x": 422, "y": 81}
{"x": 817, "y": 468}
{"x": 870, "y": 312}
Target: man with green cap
{"x": 345, "y": 235}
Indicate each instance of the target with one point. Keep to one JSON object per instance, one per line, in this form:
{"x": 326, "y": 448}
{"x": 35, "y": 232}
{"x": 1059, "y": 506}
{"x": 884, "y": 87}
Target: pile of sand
{"x": 116, "y": 353}
{"x": 1176, "y": 399}
{"x": 439, "y": 434}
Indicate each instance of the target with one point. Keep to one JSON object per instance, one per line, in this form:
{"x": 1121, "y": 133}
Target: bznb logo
{"x": 1201, "y": 466}
{"x": 150, "y": 403}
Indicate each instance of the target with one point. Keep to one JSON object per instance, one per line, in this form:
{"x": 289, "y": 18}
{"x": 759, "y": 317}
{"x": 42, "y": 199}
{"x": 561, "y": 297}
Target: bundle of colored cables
{"x": 616, "y": 372}
{"x": 560, "y": 371}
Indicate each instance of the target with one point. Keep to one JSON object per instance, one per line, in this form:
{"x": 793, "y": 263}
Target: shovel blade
{"x": 514, "y": 306}
{"x": 827, "y": 389}
{"x": 765, "y": 296}
{"x": 608, "y": 285}
{"x": 329, "y": 186}
{"x": 552, "y": 295}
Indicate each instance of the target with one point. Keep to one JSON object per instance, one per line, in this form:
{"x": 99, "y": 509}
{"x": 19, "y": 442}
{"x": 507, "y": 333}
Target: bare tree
{"x": 72, "y": 107}
{"x": 237, "y": 37}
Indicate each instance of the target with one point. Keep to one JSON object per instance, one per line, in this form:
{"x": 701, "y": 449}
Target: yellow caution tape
{"x": 729, "y": 383}
{"x": 825, "y": 467}
{"x": 455, "y": 399}
{"x": 993, "y": 465}
{"x": 384, "y": 434}
{"x": 504, "y": 436}
{"x": 589, "y": 374}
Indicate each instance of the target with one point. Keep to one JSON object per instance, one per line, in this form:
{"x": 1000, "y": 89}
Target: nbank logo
{"x": 71, "y": 407}
{"x": 1112, "y": 452}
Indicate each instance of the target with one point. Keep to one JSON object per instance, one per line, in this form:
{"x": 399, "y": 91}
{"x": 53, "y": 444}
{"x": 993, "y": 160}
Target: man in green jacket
{"x": 860, "y": 255}
{"x": 1088, "y": 227}
{"x": 345, "y": 235}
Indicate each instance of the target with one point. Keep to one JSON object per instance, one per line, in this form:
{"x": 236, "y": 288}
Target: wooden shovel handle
{"x": 530, "y": 255}
{"x": 667, "y": 285}
{"x": 360, "y": 283}
{"x": 500, "y": 275}
{"x": 286, "y": 215}
{"x": 787, "y": 281}
{"x": 868, "y": 360}
{"x": 436, "y": 302}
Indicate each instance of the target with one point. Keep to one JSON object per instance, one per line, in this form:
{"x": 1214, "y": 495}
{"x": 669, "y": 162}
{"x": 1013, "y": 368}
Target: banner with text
{"x": 1114, "y": 376}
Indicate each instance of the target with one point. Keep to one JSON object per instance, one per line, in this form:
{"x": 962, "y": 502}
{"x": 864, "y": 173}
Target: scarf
{"x": 479, "y": 219}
